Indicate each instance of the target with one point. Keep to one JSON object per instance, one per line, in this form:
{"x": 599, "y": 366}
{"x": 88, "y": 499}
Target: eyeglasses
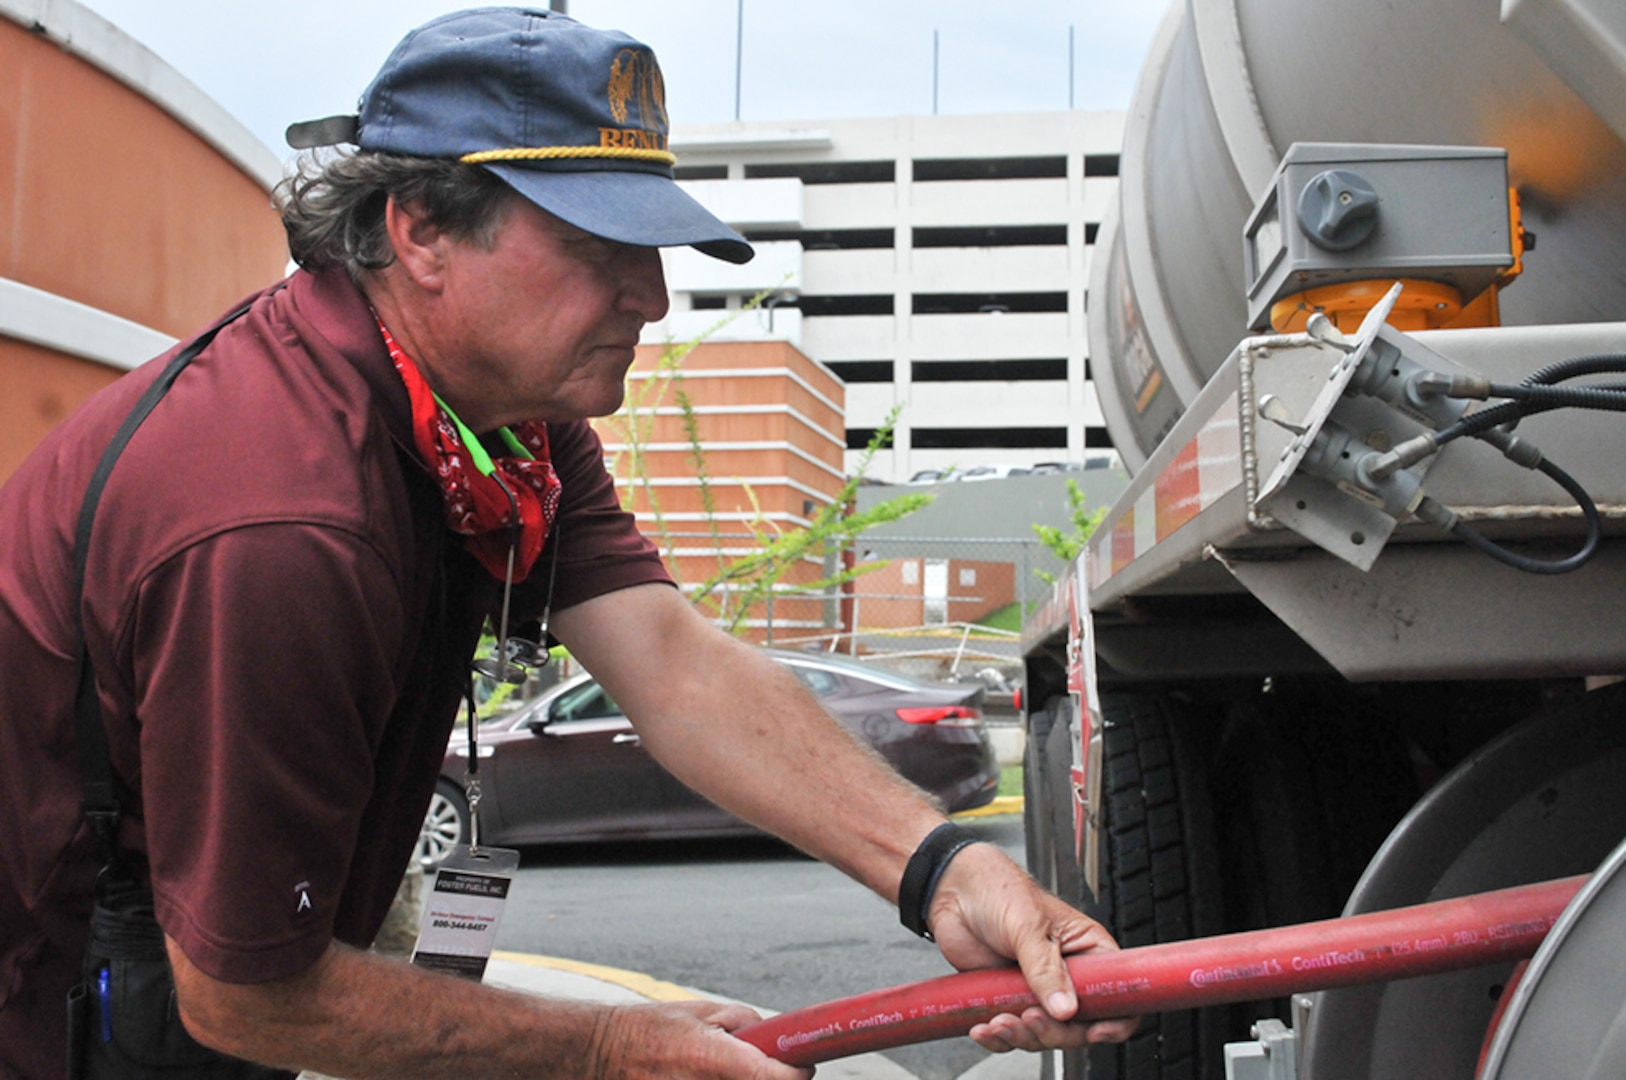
{"x": 513, "y": 659}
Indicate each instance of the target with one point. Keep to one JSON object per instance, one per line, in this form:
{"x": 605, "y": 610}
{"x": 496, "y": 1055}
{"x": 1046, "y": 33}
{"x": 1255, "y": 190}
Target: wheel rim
{"x": 442, "y": 830}
{"x": 1541, "y": 801}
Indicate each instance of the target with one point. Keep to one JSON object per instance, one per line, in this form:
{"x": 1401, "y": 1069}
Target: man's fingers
{"x": 1033, "y": 1030}
{"x": 1039, "y": 956}
{"x": 1036, "y": 1030}
{"x": 987, "y": 909}
{"x": 1112, "y": 1030}
{"x": 1042, "y": 957}
{"x": 729, "y": 1017}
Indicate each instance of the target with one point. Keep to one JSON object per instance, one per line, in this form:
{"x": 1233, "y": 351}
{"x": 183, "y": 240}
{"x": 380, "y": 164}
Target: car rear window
{"x": 822, "y": 683}
{"x": 828, "y": 666}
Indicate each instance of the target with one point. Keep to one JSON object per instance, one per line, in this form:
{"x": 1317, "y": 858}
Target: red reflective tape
{"x": 1123, "y": 541}
{"x": 1179, "y": 491}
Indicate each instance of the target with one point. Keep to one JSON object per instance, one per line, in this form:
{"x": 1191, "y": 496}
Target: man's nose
{"x": 643, "y": 291}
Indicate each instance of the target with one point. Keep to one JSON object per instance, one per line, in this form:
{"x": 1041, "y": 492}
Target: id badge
{"x": 462, "y": 910}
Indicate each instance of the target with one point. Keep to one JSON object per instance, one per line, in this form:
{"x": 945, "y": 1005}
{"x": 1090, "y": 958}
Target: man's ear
{"x": 419, "y": 244}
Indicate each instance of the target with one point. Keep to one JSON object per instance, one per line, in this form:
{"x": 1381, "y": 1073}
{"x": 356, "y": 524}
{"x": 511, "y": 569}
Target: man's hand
{"x": 699, "y": 699}
{"x": 686, "y": 1040}
{"x": 360, "y": 1015}
{"x": 986, "y": 912}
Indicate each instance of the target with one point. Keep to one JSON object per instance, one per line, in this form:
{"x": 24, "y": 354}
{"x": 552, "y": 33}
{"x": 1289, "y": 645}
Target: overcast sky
{"x": 272, "y": 62}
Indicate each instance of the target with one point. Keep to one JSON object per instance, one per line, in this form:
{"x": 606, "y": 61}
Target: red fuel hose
{"x": 1447, "y": 935}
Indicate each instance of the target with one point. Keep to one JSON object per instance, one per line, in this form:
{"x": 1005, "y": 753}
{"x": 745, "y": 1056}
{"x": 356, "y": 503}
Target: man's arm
{"x": 737, "y": 727}
{"x": 734, "y": 725}
{"x": 359, "y": 1015}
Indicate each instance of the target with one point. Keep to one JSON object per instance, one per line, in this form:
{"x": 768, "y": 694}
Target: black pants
{"x": 123, "y": 1021}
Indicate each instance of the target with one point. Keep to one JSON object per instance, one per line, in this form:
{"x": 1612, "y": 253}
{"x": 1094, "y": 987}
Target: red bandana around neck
{"x": 476, "y": 504}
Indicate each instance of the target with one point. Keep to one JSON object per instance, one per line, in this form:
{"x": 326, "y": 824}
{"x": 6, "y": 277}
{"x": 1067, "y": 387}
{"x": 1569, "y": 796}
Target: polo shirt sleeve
{"x": 262, "y": 661}
{"x": 600, "y": 547}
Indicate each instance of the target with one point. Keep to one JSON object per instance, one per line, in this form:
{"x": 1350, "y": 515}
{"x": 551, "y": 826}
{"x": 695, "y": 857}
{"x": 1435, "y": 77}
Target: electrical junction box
{"x": 1343, "y": 212}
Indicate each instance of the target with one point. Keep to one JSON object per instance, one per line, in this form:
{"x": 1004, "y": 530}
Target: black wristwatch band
{"x": 925, "y": 869}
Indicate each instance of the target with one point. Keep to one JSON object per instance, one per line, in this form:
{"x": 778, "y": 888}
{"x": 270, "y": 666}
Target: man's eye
{"x": 596, "y": 248}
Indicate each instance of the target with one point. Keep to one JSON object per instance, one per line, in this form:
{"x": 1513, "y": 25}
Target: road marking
{"x": 1003, "y": 804}
{"x": 651, "y": 988}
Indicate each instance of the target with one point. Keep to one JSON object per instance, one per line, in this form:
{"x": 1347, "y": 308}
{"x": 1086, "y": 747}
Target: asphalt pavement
{"x": 562, "y": 978}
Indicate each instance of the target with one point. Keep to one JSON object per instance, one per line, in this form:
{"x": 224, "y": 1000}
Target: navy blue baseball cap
{"x": 571, "y": 117}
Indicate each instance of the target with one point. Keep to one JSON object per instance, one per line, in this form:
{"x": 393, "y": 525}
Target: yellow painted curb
{"x": 638, "y": 983}
{"x": 1003, "y": 804}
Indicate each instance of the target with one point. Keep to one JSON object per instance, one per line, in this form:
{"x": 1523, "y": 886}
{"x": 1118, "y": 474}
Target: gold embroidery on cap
{"x": 634, "y": 74}
{"x": 637, "y": 98}
{"x": 543, "y": 153}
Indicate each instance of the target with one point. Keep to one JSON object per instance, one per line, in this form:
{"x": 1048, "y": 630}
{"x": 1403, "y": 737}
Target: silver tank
{"x": 1230, "y": 84}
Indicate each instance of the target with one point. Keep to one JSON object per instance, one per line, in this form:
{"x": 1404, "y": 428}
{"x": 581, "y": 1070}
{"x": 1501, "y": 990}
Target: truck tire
{"x": 1069, "y": 875}
{"x": 1037, "y": 833}
{"x": 1047, "y": 782}
{"x": 1159, "y": 866}
{"x": 1308, "y": 782}
{"x": 1047, "y": 785}
{"x": 1160, "y": 870}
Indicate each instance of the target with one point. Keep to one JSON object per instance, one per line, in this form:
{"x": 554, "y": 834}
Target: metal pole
{"x": 852, "y": 640}
{"x": 739, "y": 52}
{"x": 1022, "y": 586}
{"x": 830, "y": 609}
{"x": 959, "y": 652}
{"x": 934, "y": 72}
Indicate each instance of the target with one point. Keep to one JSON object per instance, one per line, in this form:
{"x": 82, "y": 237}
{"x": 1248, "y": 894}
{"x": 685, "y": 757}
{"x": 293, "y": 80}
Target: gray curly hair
{"x": 332, "y": 206}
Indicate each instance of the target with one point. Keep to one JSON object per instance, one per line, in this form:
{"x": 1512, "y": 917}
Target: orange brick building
{"x": 924, "y": 591}
{"x": 772, "y": 427}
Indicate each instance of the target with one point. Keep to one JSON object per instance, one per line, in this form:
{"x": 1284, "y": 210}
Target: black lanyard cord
{"x": 100, "y": 802}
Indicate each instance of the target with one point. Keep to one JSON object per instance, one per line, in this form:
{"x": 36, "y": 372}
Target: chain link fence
{"x": 934, "y": 607}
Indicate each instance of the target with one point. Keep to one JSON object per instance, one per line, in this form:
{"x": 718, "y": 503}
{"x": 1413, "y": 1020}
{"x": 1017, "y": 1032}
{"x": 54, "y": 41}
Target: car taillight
{"x": 941, "y": 715}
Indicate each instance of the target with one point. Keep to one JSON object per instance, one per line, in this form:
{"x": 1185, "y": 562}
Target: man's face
{"x": 541, "y": 323}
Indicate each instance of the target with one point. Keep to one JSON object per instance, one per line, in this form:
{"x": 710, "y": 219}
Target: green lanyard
{"x": 477, "y": 451}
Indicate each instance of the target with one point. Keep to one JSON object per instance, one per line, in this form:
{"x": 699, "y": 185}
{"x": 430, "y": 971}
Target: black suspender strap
{"x": 100, "y": 803}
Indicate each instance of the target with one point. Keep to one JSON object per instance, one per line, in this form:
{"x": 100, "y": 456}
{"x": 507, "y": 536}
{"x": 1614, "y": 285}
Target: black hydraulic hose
{"x": 1602, "y": 399}
{"x": 1509, "y": 413}
{"x": 1589, "y": 547}
{"x": 1536, "y": 394}
{"x": 1576, "y": 366}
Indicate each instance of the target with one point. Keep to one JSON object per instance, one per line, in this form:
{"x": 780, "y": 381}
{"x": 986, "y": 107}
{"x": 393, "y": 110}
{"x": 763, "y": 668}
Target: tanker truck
{"x": 1352, "y": 638}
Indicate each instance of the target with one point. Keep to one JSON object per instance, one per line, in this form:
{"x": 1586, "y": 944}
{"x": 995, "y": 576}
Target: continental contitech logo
{"x": 637, "y": 102}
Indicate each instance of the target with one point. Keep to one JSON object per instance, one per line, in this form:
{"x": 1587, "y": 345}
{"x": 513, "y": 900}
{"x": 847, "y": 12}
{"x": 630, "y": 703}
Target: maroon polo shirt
{"x": 281, "y": 626}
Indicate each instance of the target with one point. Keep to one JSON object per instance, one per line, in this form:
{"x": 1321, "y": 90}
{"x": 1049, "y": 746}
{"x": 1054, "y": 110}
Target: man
{"x": 292, "y": 559}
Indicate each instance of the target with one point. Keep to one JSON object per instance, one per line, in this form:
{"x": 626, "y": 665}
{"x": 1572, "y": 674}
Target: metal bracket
{"x": 1323, "y": 432}
{"x": 1271, "y": 1057}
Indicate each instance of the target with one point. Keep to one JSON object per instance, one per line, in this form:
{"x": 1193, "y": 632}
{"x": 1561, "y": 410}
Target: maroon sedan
{"x": 569, "y": 765}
